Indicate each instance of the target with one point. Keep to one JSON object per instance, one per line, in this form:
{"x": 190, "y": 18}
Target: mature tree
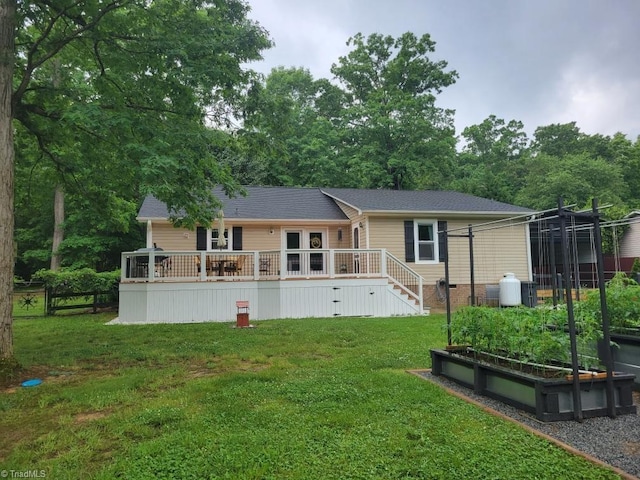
{"x": 7, "y": 25}
{"x": 577, "y": 178}
{"x": 395, "y": 136}
{"x": 626, "y": 155}
{"x": 491, "y": 162}
{"x": 291, "y": 125}
{"x": 138, "y": 85}
{"x": 567, "y": 139}
{"x": 617, "y": 153}
{"x": 557, "y": 139}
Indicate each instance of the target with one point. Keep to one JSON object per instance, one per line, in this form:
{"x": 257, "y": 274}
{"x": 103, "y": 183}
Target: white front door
{"x": 306, "y": 262}
{"x": 293, "y": 241}
{"x": 317, "y": 260}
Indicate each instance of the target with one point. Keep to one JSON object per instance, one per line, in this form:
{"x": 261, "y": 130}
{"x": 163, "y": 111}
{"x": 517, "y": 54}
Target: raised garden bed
{"x": 625, "y": 354}
{"x": 550, "y": 399}
{"x": 623, "y": 308}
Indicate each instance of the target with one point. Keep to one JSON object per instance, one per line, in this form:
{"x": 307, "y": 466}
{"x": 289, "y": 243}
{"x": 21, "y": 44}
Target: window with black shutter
{"x": 409, "y": 250}
{"x": 237, "y": 238}
{"x": 201, "y": 238}
{"x": 442, "y": 241}
{"x": 422, "y": 242}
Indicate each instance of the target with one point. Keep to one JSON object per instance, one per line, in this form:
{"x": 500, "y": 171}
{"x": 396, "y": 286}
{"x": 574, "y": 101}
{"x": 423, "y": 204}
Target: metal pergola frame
{"x": 560, "y": 221}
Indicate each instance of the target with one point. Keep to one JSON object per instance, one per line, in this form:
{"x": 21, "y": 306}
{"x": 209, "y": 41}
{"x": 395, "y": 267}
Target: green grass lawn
{"x": 289, "y": 399}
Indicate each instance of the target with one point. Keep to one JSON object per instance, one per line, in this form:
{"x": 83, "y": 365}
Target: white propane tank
{"x": 510, "y": 293}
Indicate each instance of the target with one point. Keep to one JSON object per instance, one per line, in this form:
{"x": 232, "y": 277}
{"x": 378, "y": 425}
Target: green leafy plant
{"x": 635, "y": 268}
{"x": 78, "y": 281}
{"x": 81, "y": 282}
{"x": 623, "y": 303}
{"x": 525, "y": 335}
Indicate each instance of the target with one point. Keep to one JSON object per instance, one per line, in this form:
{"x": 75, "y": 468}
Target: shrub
{"x": 78, "y": 281}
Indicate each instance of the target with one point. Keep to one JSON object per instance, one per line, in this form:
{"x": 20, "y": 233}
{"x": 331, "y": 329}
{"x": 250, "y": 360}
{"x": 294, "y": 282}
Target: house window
{"x": 425, "y": 241}
{"x": 207, "y": 239}
{"x": 215, "y": 242}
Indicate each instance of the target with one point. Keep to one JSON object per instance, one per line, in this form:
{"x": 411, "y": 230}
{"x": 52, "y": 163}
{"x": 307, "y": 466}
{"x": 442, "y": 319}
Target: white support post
{"x": 149, "y": 234}
{"x": 203, "y": 265}
{"x": 332, "y": 263}
{"x": 151, "y": 266}
{"x": 256, "y": 265}
{"x": 383, "y": 262}
{"x": 283, "y": 264}
{"x": 123, "y": 267}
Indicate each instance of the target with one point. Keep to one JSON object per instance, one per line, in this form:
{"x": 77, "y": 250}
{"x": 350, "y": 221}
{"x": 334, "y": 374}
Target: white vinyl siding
{"x": 630, "y": 244}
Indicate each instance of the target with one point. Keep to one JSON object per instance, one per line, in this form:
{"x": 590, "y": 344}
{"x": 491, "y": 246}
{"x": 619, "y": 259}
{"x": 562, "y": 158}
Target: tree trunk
{"x": 58, "y": 228}
{"x": 7, "y": 32}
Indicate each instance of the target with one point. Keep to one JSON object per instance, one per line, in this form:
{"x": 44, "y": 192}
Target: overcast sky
{"x": 537, "y": 61}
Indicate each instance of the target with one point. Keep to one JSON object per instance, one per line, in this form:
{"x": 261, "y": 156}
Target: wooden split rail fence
{"x": 93, "y": 300}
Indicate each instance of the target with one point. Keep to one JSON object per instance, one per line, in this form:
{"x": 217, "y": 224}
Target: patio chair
{"x": 208, "y": 265}
{"x": 234, "y": 267}
{"x": 265, "y": 266}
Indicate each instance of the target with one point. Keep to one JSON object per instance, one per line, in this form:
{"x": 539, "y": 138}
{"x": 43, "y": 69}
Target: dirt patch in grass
{"x": 11, "y": 438}
{"x": 199, "y": 371}
{"x": 89, "y": 417}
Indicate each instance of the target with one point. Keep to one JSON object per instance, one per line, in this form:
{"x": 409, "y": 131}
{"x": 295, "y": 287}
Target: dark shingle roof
{"x": 268, "y": 203}
{"x": 290, "y": 203}
{"x": 420, "y": 201}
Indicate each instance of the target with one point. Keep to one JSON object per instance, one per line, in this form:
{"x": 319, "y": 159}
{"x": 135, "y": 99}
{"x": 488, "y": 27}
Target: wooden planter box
{"x": 626, "y": 356}
{"x": 549, "y": 399}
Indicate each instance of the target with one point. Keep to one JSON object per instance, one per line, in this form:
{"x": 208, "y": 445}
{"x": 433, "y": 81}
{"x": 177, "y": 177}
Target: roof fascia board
{"x": 449, "y": 213}
{"x": 263, "y": 221}
{"x": 152, "y": 219}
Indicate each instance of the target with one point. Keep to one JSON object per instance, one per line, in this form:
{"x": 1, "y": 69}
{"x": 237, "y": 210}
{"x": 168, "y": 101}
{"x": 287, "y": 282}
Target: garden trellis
{"x": 563, "y": 223}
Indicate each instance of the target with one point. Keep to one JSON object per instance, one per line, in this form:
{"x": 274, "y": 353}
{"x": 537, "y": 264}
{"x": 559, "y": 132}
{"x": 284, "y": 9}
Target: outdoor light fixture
{"x": 339, "y": 234}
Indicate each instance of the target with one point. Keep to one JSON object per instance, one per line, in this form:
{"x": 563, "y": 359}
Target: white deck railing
{"x": 405, "y": 279}
{"x": 170, "y": 266}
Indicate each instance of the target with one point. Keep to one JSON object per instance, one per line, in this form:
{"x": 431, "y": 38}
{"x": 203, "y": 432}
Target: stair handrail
{"x": 402, "y": 280}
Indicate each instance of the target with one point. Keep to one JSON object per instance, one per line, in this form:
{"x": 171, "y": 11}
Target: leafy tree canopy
{"x": 121, "y": 94}
{"x": 395, "y": 136}
{"x": 291, "y": 125}
{"x": 116, "y": 100}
